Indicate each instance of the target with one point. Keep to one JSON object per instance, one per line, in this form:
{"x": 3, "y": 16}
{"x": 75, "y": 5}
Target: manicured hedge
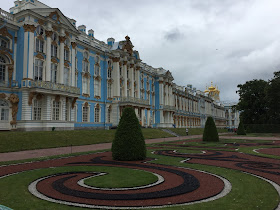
{"x": 262, "y": 128}
{"x": 129, "y": 143}
{"x": 210, "y": 131}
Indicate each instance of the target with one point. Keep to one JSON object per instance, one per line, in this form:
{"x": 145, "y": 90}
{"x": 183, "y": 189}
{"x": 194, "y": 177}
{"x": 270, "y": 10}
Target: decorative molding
{"x": 74, "y": 45}
{"x": 66, "y": 48}
{"x": 62, "y": 38}
{"x": 125, "y": 62}
{"x": 128, "y": 46}
{"x": 14, "y": 99}
{"x": 120, "y": 63}
{"x": 39, "y": 96}
{"x": 4, "y": 32}
{"x": 97, "y": 97}
{"x": 49, "y": 33}
{"x": 86, "y": 104}
{"x": 40, "y": 56}
{"x": 110, "y": 81}
{"x": 73, "y": 102}
{"x": 131, "y": 65}
{"x": 40, "y": 37}
{"x": 86, "y": 74}
{"x": 29, "y": 28}
{"x": 160, "y": 82}
{"x": 3, "y": 52}
{"x": 97, "y": 64}
{"x": 138, "y": 67}
{"x": 54, "y": 43}
{"x": 15, "y": 40}
{"x": 54, "y": 28}
{"x": 67, "y": 33}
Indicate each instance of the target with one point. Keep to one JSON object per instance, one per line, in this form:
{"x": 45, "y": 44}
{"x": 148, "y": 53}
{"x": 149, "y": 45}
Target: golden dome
{"x": 211, "y": 88}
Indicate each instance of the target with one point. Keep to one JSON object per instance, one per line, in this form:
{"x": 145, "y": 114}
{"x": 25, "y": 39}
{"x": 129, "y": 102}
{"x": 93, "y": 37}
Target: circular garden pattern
{"x": 75, "y": 181}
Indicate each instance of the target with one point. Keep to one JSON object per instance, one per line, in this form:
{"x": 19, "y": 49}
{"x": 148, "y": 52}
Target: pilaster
{"x": 61, "y": 59}
{"x": 48, "y": 56}
{"x": 125, "y": 78}
{"x": 116, "y": 76}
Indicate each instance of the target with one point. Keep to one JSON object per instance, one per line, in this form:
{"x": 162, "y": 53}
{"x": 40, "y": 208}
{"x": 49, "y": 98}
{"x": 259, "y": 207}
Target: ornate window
{"x": 67, "y": 111}
{"x": 38, "y": 70}
{"x": 54, "y": 37}
{"x": 66, "y": 55}
{"x": 97, "y": 113}
{"x": 54, "y": 50}
{"x": 96, "y": 87}
{"x": 55, "y": 110}
{"x": 4, "y": 43}
{"x": 37, "y": 109}
{"x": 85, "y": 62}
{"x": 66, "y": 76}
{"x": 39, "y": 45}
{"x": 109, "y": 110}
{"x": 86, "y": 85}
{"x": 109, "y": 75}
{"x": 53, "y": 73}
{"x": 39, "y": 30}
{"x": 85, "y": 113}
{"x": 4, "y": 110}
{"x": 97, "y": 66}
{"x": 3, "y": 74}
{"x": 109, "y": 90}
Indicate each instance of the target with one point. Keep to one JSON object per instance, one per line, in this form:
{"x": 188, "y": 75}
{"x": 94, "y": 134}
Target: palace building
{"x": 55, "y": 74}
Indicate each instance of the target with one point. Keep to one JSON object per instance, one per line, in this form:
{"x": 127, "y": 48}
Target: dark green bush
{"x": 129, "y": 143}
{"x": 241, "y": 129}
{"x": 210, "y": 131}
{"x": 262, "y": 128}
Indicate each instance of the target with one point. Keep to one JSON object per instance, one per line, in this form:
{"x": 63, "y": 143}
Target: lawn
{"x": 193, "y": 131}
{"x": 247, "y": 191}
{"x": 18, "y": 141}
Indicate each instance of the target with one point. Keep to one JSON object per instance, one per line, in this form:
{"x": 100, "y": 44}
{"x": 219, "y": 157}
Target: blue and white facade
{"x": 54, "y": 74}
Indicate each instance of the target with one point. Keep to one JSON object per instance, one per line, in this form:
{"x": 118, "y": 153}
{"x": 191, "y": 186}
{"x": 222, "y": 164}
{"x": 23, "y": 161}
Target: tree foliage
{"x": 241, "y": 130}
{"x": 210, "y": 132}
{"x": 129, "y": 143}
{"x": 259, "y": 101}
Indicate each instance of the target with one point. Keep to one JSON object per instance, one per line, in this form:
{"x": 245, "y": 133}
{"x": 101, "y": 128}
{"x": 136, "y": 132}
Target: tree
{"x": 273, "y": 99}
{"x": 129, "y": 143}
{"x": 241, "y": 130}
{"x": 210, "y": 132}
{"x": 252, "y": 102}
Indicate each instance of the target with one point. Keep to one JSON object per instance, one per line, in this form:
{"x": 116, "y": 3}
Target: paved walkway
{"x": 28, "y": 154}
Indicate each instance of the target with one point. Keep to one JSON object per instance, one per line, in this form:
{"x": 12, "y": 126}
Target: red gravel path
{"x": 270, "y": 151}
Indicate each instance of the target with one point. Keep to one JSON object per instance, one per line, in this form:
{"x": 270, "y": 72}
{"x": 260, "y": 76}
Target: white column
{"x": 61, "y": 60}
{"x": 161, "y": 92}
{"x": 48, "y": 56}
{"x": 116, "y": 76}
{"x": 28, "y": 51}
{"x": 125, "y": 78}
{"x": 148, "y": 117}
{"x": 73, "y": 62}
{"x": 31, "y": 55}
{"x": 138, "y": 81}
{"x": 15, "y": 59}
{"x": 26, "y": 109}
{"x": 132, "y": 79}
{"x": 47, "y": 114}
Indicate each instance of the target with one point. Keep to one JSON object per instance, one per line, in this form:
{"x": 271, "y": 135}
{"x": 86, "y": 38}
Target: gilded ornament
{"x": 30, "y": 98}
{"x": 40, "y": 56}
{"x": 66, "y": 64}
{"x": 54, "y": 43}
{"x": 54, "y": 60}
{"x": 40, "y": 37}
{"x": 86, "y": 104}
{"x": 66, "y": 47}
{"x": 116, "y": 59}
{"x": 131, "y": 65}
{"x": 15, "y": 39}
{"x": 73, "y": 102}
{"x": 14, "y": 101}
{"x": 39, "y": 96}
{"x": 54, "y": 15}
{"x": 137, "y": 67}
{"x": 74, "y": 45}
{"x": 29, "y": 28}
{"x": 66, "y": 33}
{"x": 3, "y": 52}
{"x": 4, "y": 32}
{"x": 54, "y": 28}
{"x": 85, "y": 95}
{"x": 57, "y": 98}
{"x": 62, "y": 38}
{"x": 10, "y": 74}
{"x": 125, "y": 62}
{"x": 41, "y": 22}
{"x": 49, "y": 33}
{"x": 3, "y": 95}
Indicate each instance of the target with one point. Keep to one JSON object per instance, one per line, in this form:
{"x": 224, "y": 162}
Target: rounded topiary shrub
{"x": 129, "y": 143}
{"x": 210, "y": 132}
{"x": 241, "y": 130}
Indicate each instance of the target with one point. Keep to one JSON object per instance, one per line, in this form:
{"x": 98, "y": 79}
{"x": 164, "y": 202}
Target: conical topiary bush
{"x": 241, "y": 129}
{"x": 129, "y": 143}
{"x": 210, "y": 131}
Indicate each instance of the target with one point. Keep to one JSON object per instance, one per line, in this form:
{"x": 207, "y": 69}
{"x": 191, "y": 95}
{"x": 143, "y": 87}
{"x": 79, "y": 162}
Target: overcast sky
{"x": 225, "y": 41}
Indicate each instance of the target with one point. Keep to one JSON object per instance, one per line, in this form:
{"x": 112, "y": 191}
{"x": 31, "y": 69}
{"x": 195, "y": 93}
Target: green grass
{"x": 263, "y": 134}
{"x": 19, "y": 141}
{"x": 192, "y": 131}
{"x": 122, "y": 177}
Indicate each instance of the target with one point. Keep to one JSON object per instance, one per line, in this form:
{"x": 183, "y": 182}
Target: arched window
{"x": 53, "y": 73}
{"x": 56, "y": 110}
{"x": 2, "y": 69}
{"x": 109, "y": 110}
{"x": 38, "y": 70}
{"x": 96, "y": 87}
{"x": 97, "y": 113}
{"x": 86, "y": 112}
{"x": 54, "y": 45}
{"x": 37, "y": 109}
{"x": 40, "y": 39}
{"x": 4, "y": 110}
{"x": 66, "y": 50}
